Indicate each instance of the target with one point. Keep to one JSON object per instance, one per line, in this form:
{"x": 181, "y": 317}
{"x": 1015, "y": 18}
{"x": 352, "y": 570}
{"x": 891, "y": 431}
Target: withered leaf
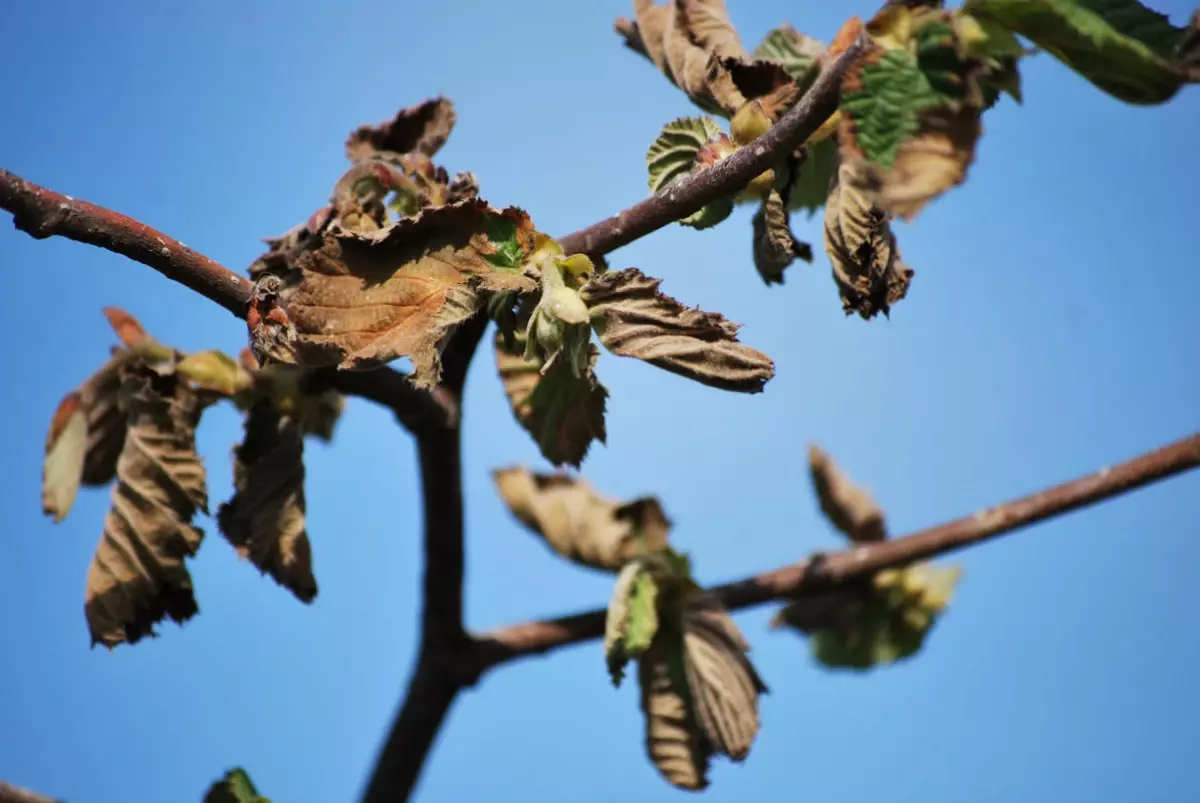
{"x": 580, "y": 524}
{"x": 861, "y": 246}
{"x": 66, "y": 449}
{"x": 362, "y": 300}
{"x": 932, "y": 162}
{"x": 632, "y": 618}
{"x": 562, "y": 412}
{"x": 265, "y": 519}
{"x": 633, "y": 319}
{"x": 723, "y": 683}
{"x": 138, "y": 576}
{"x": 674, "y": 740}
{"x": 850, "y": 508}
{"x": 127, "y": 328}
{"x": 775, "y": 247}
{"x": 421, "y": 128}
{"x": 694, "y": 44}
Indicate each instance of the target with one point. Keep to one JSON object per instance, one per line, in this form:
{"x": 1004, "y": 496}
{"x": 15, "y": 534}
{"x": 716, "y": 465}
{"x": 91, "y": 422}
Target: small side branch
{"x": 16, "y": 794}
{"x": 729, "y": 175}
{"x": 813, "y": 576}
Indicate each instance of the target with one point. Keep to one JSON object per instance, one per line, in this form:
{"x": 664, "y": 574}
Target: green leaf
{"x": 235, "y": 787}
{"x": 673, "y": 155}
{"x": 632, "y": 617}
{"x": 885, "y": 104}
{"x": 1120, "y": 46}
{"x": 815, "y": 176}
{"x": 794, "y": 51}
{"x": 502, "y": 233}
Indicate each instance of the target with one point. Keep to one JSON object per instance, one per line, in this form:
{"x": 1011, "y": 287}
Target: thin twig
{"x": 690, "y": 194}
{"x": 814, "y": 576}
{"x": 16, "y": 794}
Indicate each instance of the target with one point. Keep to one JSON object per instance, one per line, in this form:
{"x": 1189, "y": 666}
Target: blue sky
{"x": 1050, "y": 330}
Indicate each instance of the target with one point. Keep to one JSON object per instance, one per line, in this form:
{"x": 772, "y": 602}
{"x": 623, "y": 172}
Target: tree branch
{"x": 690, "y": 194}
{"x": 16, "y": 794}
{"x": 821, "y": 572}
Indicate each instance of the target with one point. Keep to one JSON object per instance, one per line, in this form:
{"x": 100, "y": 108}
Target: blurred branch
{"x": 690, "y": 194}
{"x": 820, "y": 573}
{"x": 14, "y": 794}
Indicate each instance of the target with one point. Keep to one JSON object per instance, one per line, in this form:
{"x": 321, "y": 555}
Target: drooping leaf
{"x": 723, "y": 683}
{"x": 214, "y": 371}
{"x": 1120, "y": 46}
{"x": 861, "y": 247}
{"x": 676, "y": 153}
{"x": 694, "y": 44}
{"x": 422, "y": 128}
{"x": 66, "y": 450}
{"x": 847, "y": 506}
{"x": 674, "y": 742}
{"x": 359, "y": 301}
{"x": 562, "y": 412}
{"x": 633, "y": 318}
{"x": 287, "y": 388}
{"x": 632, "y": 619}
{"x": 265, "y": 519}
{"x": 580, "y": 524}
{"x": 795, "y": 52}
{"x": 234, "y": 787}
{"x": 890, "y": 621}
{"x": 138, "y": 576}
{"x": 775, "y": 247}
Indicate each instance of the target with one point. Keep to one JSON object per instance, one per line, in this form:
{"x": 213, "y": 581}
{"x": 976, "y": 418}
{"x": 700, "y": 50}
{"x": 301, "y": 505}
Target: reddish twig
{"x": 690, "y": 194}
{"x": 819, "y": 574}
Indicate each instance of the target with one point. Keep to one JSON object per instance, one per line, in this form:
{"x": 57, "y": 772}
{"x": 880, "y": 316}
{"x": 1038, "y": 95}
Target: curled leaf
{"x": 849, "y": 507}
{"x": 632, "y": 619}
{"x": 580, "y": 524}
{"x": 138, "y": 576}
{"x": 564, "y": 413}
{"x": 422, "y": 128}
{"x": 359, "y": 301}
{"x": 1126, "y": 49}
{"x": 633, "y": 319}
{"x": 861, "y": 247}
{"x": 66, "y": 449}
{"x": 775, "y": 247}
{"x": 265, "y": 519}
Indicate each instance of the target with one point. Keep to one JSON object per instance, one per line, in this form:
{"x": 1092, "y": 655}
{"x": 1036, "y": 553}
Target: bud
{"x": 750, "y": 123}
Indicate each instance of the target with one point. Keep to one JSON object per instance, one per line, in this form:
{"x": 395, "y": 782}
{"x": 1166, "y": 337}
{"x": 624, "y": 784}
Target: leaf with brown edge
{"x": 66, "y": 450}
{"x": 421, "y": 128}
{"x": 359, "y": 301}
{"x": 674, "y": 742}
{"x": 633, "y": 319}
{"x": 578, "y": 523}
{"x": 562, "y": 412}
{"x": 775, "y": 247}
{"x": 265, "y": 519}
{"x": 932, "y": 162}
{"x": 850, "y": 508}
{"x": 723, "y": 683}
{"x": 138, "y": 577}
{"x": 861, "y": 246}
{"x": 694, "y": 44}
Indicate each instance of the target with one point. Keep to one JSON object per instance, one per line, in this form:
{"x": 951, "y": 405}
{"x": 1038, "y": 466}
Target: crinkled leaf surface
{"x": 632, "y": 620}
{"x": 421, "y": 128}
{"x": 673, "y": 155}
{"x": 775, "y": 246}
{"x": 580, "y": 524}
{"x": 138, "y": 576}
{"x": 235, "y": 787}
{"x": 850, "y": 508}
{"x": 861, "y": 247}
{"x": 633, "y": 318}
{"x": 674, "y": 742}
{"x": 1121, "y": 46}
{"x": 564, "y": 413}
{"x": 795, "y": 52}
{"x": 363, "y": 300}
{"x": 265, "y": 519}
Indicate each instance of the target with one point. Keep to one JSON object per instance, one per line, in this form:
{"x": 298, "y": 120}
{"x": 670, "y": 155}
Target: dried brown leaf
{"x": 932, "y": 162}
{"x": 580, "y": 524}
{"x": 674, "y": 740}
{"x": 696, "y": 46}
{"x": 265, "y": 519}
{"x": 850, "y": 508}
{"x": 861, "y": 245}
{"x": 562, "y": 412}
{"x": 421, "y": 128}
{"x": 362, "y": 300}
{"x": 723, "y": 683}
{"x": 633, "y": 319}
{"x": 138, "y": 576}
{"x": 775, "y": 246}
